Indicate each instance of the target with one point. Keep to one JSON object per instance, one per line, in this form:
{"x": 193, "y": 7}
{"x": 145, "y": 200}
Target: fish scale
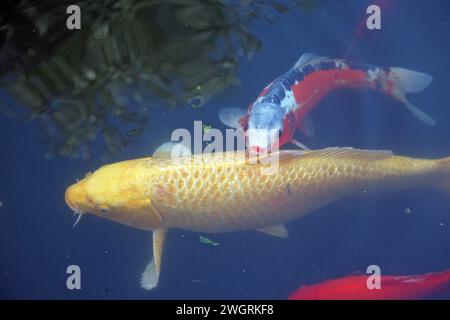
{"x": 213, "y": 195}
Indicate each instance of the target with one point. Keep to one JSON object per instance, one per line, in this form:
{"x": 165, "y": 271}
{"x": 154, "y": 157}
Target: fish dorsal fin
{"x": 172, "y": 150}
{"x": 285, "y": 155}
{"x": 282, "y": 155}
{"x": 327, "y": 153}
{"x": 277, "y": 230}
{"x": 306, "y": 58}
{"x": 347, "y": 153}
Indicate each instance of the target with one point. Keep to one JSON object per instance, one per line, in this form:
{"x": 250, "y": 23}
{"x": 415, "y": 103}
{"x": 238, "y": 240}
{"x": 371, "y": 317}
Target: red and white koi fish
{"x": 392, "y": 288}
{"x": 283, "y": 106}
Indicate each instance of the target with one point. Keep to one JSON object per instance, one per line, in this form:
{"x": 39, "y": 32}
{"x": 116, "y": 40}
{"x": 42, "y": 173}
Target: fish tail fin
{"x": 444, "y": 181}
{"x": 402, "y": 81}
{"x": 410, "y": 81}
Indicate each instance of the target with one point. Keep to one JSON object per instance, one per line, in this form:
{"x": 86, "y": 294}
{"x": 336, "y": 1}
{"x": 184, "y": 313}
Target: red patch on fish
{"x": 316, "y": 85}
{"x": 392, "y": 288}
{"x": 257, "y": 149}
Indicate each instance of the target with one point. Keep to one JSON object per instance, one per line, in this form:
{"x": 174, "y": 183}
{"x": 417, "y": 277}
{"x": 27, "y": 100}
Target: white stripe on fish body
{"x": 373, "y": 74}
{"x": 340, "y": 64}
{"x": 288, "y": 102}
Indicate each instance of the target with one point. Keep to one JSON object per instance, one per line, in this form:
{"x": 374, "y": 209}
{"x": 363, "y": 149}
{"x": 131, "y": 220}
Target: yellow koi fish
{"x": 224, "y": 192}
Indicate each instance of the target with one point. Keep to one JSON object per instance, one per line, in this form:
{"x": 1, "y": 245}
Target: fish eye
{"x": 104, "y": 209}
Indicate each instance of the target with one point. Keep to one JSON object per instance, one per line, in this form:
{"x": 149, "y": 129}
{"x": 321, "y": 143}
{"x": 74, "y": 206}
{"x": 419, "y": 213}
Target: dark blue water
{"x": 38, "y": 242}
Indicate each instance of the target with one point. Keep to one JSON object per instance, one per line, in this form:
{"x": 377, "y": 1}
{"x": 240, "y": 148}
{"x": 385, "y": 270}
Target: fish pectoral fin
{"x": 150, "y": 276}
{"x": 277, "y": 230}
{"x": 306, "y": 126}
{"x": 306, "y": 58}
{"x": 231, "y": 117}
{"x": 298, "y": 144}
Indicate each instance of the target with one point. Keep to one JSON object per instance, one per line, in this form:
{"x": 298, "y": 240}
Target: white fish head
{"x": 264, "y": 127}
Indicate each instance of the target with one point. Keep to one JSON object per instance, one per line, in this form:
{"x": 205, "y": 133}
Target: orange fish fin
{"x": 347, "y": 153}
{"x": 150, "y": 276}
{"x": 327, "y": 153}
{"x": 282, "y": 155}
{"x": 277, "y": 230}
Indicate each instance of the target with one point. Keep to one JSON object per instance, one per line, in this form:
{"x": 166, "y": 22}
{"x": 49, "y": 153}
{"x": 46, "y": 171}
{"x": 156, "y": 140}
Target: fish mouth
{"x": 68, "y": 201}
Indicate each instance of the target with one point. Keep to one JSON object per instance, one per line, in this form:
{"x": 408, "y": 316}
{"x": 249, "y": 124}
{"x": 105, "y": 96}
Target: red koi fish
{"x": 283, "y": 106}
{"x": 392, "y": 288}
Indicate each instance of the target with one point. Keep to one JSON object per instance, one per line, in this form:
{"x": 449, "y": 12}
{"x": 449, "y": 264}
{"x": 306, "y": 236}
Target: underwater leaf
{"x": 208, "y": 241}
